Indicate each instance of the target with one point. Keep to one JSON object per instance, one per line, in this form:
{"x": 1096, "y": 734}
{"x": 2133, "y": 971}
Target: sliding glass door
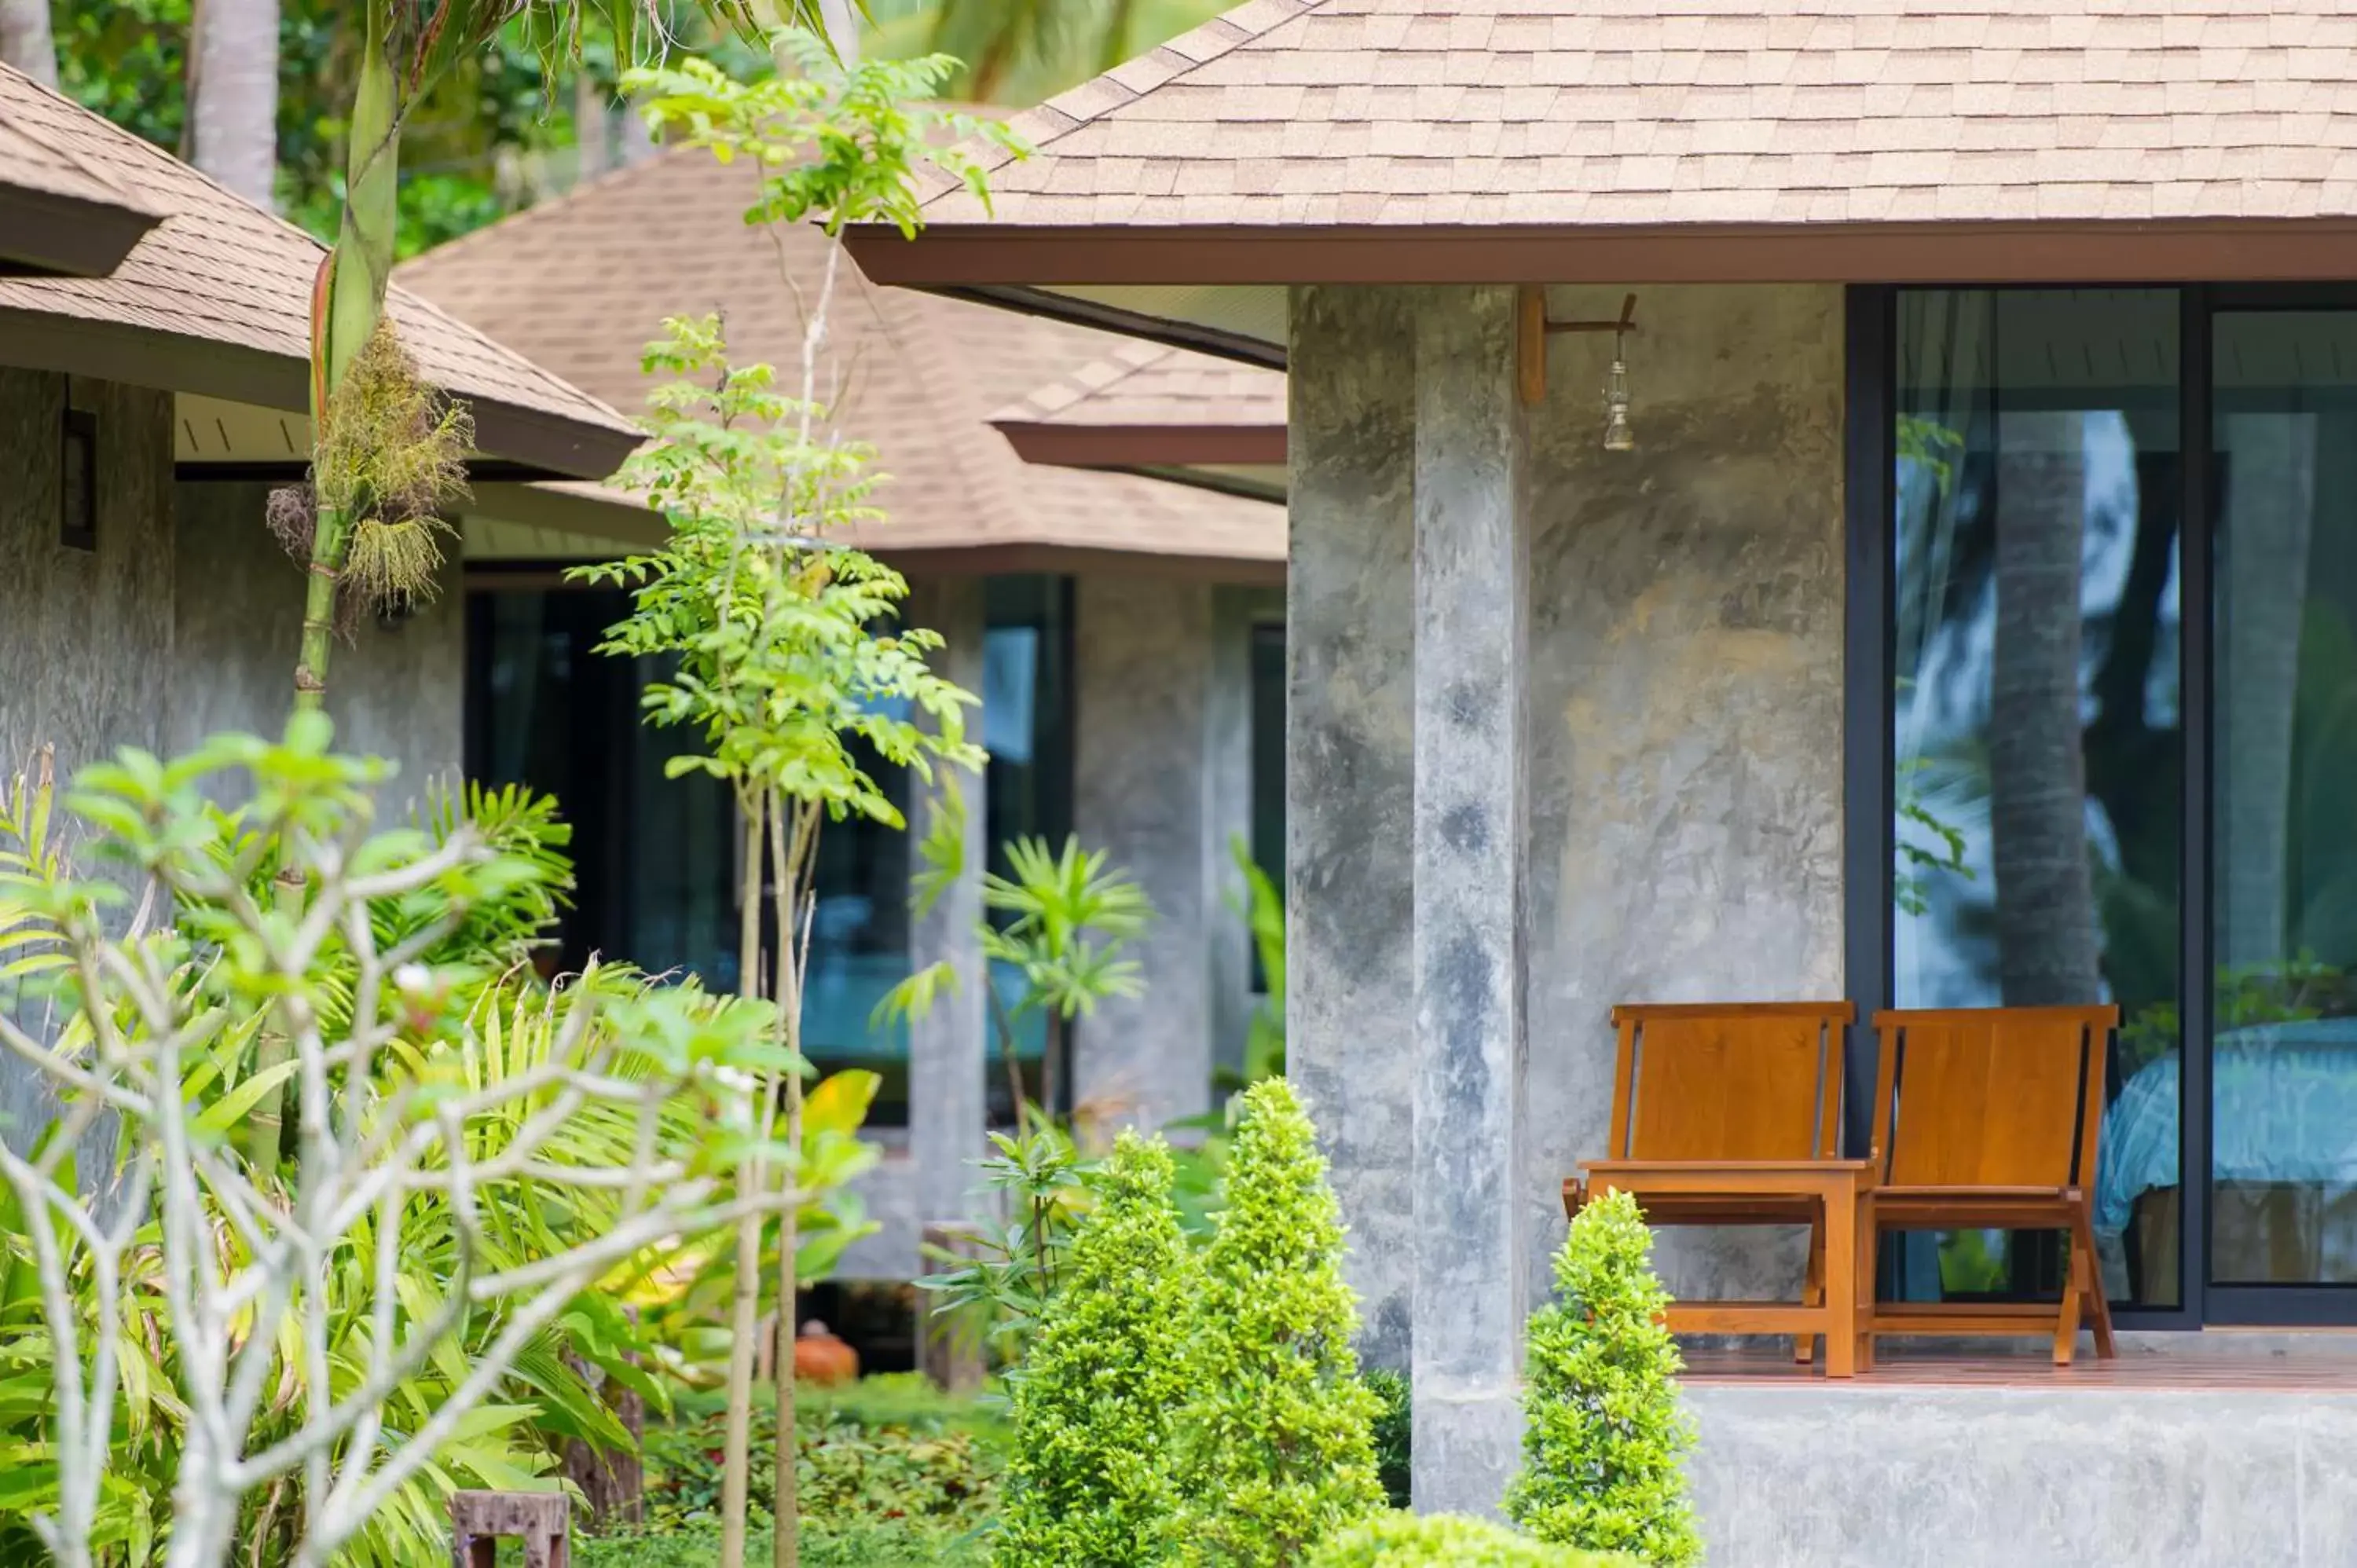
{"x": 2037, "y": 752}
{"x": 2283, "y": 1207}
{"x": 2117, "y": 606}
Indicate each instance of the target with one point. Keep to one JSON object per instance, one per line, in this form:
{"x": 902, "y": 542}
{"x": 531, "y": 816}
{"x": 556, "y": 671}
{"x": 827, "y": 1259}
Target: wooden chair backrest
{"x": 1991, "y": 1096}
{"x": 1757, "y": 1080}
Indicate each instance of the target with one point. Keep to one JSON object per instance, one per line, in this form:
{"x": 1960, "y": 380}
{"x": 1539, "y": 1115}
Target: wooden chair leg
{"x": 2099, "y": 1307}
{"x": 1840, "y": 1220}
{"x": 1869, "y": 1262}
{"x": 2066, "y": 1315}
{"x": 1813, "y": 1289}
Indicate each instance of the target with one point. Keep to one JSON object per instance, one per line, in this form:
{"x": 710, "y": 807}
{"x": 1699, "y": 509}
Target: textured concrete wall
{"x": 85, "y": 636}
{"x": 396, "y": 690}
{"x": 889, "y": 1193}
{"x": 1803, "y": 1476}
{"x": 1141, "y": 791}
{"x": 1683, "y": 660}
{"x": 1350, "y": 775}
{"x": 1686, "y": 608}
{"x": 949, "y": 1048}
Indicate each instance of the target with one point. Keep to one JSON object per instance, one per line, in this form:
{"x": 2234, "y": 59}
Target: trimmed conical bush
{"x": 1603, "y": 1446}
{"x": 1276, "y": 1451}
{"x": 1089, "y": 1483}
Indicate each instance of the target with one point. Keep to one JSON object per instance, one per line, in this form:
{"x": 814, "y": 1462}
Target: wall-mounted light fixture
{"x": 1534, "y": 329}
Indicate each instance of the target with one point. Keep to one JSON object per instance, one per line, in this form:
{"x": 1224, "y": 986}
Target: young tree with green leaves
{"x": 1277, "y": 1451}
{"x": 788, "y": 665}
{"x": 1090, "y": 1480}
{"x": 1602, "y": 1452}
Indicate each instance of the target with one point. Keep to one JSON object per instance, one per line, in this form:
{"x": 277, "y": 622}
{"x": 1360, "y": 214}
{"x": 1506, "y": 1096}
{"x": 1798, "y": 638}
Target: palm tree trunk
{"x": 2270, "y": 482}
{"x": 359, "y": 271}
{"x": 233, "y": 107}
{"x": 2047, "y": 948}
{"x": 347, "y": 303}
{"x": 25, "y": 41}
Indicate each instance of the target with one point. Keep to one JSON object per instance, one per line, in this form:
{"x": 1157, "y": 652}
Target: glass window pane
{"x": 1267, "y": 764}
{"x": 1027, "y": 687}
{"x": 2284, "y": 829}
{"x": 2036, "y": 737}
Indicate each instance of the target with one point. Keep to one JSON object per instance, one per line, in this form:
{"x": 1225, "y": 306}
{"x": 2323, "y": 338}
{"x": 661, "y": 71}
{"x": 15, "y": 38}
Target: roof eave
{"x": 533, "y": 441}
{"x": 69, "y": 236}
{"x": 1007, "y": 260}
{"x": 1140, "y": 448}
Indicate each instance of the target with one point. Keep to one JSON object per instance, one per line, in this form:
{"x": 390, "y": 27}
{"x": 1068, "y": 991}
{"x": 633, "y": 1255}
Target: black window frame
{"x": 1871, "y": 375}
{"x": 78, "y": 450}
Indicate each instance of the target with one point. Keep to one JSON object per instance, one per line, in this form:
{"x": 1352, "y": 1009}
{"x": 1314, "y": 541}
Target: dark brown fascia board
{"x": 1096, "y": 313}
{"x": 1217, "y": 483}
{"x": 972, "y": 257}
{"x": 1142, "y": 445}
{"x": 538, "y": 444}
{"x": 1077, "y": 561}
{"x": 71, "y": 236}
{"x": 977, "y": 561}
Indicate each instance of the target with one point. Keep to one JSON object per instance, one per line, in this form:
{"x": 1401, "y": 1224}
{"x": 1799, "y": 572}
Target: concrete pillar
{"x": 1141, "y": 791}
{"x": 1349, "y": 776}
{"x": 1472, "y": 538}
{"x": 949, "y": 1048}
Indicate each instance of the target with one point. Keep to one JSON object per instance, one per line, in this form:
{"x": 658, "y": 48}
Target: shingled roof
{"x": 1784, "y": 120}
{"x": 60, "y": 215}
{"x": 216, "y": 299}
{"x": 1148, "y": 406}
{"x": 582, "y": 284}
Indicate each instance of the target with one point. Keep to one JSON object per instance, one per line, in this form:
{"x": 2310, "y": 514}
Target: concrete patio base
{"x": 2231, "y": 1460}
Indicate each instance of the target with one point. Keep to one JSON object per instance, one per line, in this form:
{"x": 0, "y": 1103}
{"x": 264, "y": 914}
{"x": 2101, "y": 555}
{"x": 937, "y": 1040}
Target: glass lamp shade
{"x": 1618, "y": 436}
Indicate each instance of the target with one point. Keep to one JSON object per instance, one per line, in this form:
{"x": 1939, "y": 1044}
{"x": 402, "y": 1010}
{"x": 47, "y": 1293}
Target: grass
{"x": 860, "y": 1546}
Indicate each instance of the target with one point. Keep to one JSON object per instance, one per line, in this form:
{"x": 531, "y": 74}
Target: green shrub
{"x": 1602, "y": 1447}
{"x": 930, "y": 1465}
{"x": 1444, "y": 1540}
{"x": 1276, "y": 1451}
{"x": 897, "y": 1544}
{"x": 1393, "y": 1432}
{"x": 909, "y": 1400}
{"x": 1089, "y": 1474}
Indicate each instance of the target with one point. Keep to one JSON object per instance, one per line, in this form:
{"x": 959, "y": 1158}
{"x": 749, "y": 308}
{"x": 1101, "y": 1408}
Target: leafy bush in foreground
{"x": 1393, "y": 1431}
{"x": 1444, "y": 1540}
{"x": 1089, "y": 1477}
{"x": 1277, "y": 1452}
{"x": 1602, "y": 1463}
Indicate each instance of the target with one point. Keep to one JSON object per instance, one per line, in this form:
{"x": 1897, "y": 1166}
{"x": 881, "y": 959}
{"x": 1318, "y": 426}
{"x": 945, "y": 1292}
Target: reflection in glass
{"x": 2284, "y": 1063}
{"x": 2037, "y": 750}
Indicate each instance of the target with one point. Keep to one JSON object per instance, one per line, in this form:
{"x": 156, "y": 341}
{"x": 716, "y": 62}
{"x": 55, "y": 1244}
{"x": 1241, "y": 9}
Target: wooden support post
{"x": 478, "y": 1521}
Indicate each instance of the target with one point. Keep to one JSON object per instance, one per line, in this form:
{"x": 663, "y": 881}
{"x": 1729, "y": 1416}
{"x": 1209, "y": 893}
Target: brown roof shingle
{"x": 1140, "y": 385}
{"x": 229, "y": 287}
{"x": 59, "y": 214}
{"x": 581, "y": 283}
{"x": 1429, "y": 112}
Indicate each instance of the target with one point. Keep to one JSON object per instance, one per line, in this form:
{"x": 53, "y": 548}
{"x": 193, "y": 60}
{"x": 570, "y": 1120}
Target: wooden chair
{"x": 1987, "y": 1119}
{"x": 1731, "y": 1115}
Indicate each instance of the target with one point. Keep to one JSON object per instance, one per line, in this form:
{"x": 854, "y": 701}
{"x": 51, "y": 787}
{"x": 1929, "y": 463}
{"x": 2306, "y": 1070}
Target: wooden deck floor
{"x": 2196, "y": 1362}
